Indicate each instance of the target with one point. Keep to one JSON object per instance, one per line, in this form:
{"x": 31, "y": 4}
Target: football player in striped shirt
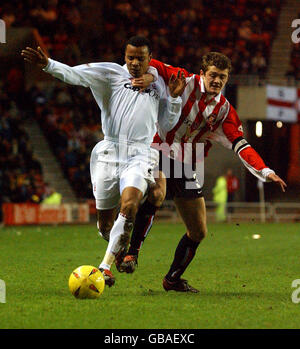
{"x": 206, "y": 116}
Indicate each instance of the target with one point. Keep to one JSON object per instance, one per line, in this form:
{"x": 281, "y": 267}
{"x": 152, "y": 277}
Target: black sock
{"x": 184, "y": 254}
{"x": 142, "y": 226}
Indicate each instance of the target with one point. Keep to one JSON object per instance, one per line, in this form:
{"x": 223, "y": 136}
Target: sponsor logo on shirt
{"x": 151, "y": 91}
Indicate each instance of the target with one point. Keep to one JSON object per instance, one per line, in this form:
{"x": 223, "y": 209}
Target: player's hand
{"x": 143, "y": 82}
{"x": 276, "y": 179}
{"x": 177, "y": 84}
{"x": 37, "y": 57}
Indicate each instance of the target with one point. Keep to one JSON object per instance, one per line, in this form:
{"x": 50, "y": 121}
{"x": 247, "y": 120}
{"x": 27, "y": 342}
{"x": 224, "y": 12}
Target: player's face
{"x": 137, "y": 60}
{"x": 214, "y": 79}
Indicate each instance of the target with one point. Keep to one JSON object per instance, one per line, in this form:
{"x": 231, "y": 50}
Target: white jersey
{"x": 126, "y": 114}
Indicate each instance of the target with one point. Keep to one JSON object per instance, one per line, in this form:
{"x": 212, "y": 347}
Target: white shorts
{"x": 114, "y": 167}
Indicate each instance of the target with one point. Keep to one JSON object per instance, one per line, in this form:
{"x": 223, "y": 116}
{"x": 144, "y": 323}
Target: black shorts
{"x": 181, "y": 182}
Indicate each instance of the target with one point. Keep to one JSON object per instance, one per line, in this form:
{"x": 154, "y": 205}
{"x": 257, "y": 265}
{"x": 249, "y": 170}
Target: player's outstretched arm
{"x": 87, "y": 75}
{"x": 166, "y": 70}
{"x": 37, "y": 57}
{"x": 177, "y": 84}
{"x": 276, "y": 179}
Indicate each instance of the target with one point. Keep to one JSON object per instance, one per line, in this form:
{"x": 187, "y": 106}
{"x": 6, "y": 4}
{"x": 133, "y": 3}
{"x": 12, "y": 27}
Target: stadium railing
{"x": 84, "y": 212}
{"x": 242, "y": 211}
{"x": 255, "y": 80}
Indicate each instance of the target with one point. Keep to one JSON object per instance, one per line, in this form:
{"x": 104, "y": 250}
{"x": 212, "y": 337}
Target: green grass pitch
{"x": 244, "y": 283}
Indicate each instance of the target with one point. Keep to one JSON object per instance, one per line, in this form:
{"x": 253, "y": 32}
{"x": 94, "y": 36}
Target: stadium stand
{"x": 294, "y": 70}
{"x": 56, "y": 21}
{"x": 293, "y": 73}
{"x": 70, "y": 120}
{"x": 245, "y": 34}
{"x": 21, "y": 175}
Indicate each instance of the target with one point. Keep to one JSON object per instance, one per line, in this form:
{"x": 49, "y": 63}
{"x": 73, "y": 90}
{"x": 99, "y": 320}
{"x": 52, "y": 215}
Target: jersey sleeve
{"x": 153, "y": 71}
{"x": 87, "y": 75}
{"x": 166, "y": 70}
{"x": 169, "y": 113}
{"x": 233, "y": 131}
{"x": 169, "y": 109}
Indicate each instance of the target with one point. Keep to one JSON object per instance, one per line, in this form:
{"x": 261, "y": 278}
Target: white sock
{"x": 115, "y": 242}
{"x": 104, "y": 266}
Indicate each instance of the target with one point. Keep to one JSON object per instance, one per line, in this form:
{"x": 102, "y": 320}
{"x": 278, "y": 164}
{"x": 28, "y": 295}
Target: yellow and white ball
{"x": 86, "y": 281}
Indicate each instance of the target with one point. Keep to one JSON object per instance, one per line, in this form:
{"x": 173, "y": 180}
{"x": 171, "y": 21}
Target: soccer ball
{"x": 86, "y": 282}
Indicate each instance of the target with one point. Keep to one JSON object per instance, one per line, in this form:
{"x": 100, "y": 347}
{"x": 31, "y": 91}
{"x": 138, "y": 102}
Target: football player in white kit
{"x": 122, "y": 164}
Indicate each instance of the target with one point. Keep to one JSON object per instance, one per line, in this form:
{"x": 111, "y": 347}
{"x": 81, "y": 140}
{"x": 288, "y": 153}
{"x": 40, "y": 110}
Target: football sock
{"x": 116, "y": 242}
{"x": 142, "y": 226}
{"x": 184, "y": 254}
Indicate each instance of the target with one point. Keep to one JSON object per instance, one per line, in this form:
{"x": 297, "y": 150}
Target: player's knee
{"x": 202, "y": 233}
{"x": 129, "y": 209}
{"x": 197, "y": 234}
{"x": 156, "y": 197}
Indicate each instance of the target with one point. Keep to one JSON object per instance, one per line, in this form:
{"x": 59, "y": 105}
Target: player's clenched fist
{"x": 37, "y": 57}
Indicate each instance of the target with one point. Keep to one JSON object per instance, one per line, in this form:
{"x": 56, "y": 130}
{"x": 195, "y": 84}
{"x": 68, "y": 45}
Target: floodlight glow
{"x": 258, "y": 129}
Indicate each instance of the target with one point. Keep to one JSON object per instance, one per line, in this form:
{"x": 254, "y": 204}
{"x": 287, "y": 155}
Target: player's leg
{"x": 120, "y": 232}
{"x": 230, "y": 197}
{"x": 132, "y": 189}
{"x": 106, "y": 213}
{"x": 105, "y": 183}
{"x": 143, "y": 222}
{"x": 105, "y": 221}
{"x": 193, "y": 214}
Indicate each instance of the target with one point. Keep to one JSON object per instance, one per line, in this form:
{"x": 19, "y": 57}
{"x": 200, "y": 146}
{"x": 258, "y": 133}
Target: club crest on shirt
{"x": 211, "y": 119}
{"x": 189, "y": 134}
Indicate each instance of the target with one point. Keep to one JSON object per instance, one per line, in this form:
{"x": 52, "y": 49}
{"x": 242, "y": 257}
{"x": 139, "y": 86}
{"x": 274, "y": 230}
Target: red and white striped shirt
{"x": 206, "y": 121}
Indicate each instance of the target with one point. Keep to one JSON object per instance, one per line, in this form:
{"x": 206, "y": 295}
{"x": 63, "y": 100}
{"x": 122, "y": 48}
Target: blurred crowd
{"x": 241, "y": 29}
{"x": 57, "y": 22}
{"x": 180, "y": 34}
{"x": 21, "y": 175}
{"x": 70, "y": 120}
{"x": 77, "y": 31}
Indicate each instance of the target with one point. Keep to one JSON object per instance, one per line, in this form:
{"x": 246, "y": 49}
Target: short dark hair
{"x": 138, "y": 41}
{"x": 217, "y": 59}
